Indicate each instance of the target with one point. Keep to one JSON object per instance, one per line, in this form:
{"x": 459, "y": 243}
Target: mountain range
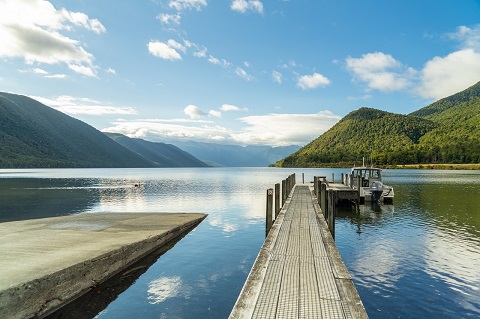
{"x": 236, "y": 155}
{"x": 35, "y": 135}
{"x": 447, "y": 131}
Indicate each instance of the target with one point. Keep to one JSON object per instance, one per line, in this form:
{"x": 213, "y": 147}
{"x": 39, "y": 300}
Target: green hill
{"x": 35, "y": 135}
{"x": 163, "y": 155}
{"x": 447, "y": 131}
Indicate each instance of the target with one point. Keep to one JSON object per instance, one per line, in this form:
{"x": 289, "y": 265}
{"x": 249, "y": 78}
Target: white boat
{"x": 372, "y": 188}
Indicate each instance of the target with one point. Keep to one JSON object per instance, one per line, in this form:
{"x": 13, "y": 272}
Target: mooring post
{"x": 319, "y": 190}
{"x": 323, "y": 198}
{"x": 331, "y": 211}
{"x": 277, "y": 199}
{"x": 284, "y": 191}
{"x": 333, "y": 177}
{"x": 359, "y": 185}
{"x": 315, "y": 189}
{"x": 269, "y": 222}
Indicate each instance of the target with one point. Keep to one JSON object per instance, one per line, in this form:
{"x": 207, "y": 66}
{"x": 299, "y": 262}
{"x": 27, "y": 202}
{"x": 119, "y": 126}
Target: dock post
{"x": 277, "y": 199}
{"x": 359, "y": 185}
{"x": 323, "y": 198}
{"x": 319, "y": 190}
{"x": 333, "y": 177}
{"x": 331, "y": 211}
{"x": 303, "y": 178}
{"x": 343, "y": 179}
{"x": 269, "y": 222}
{"x": 284, "y": 191}
{"x": 315, "y": 189}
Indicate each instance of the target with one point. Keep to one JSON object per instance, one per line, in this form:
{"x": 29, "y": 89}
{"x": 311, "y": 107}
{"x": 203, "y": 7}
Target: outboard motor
{"x": 376, "y": 188}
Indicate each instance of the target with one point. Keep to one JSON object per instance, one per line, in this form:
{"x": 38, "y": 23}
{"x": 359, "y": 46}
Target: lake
{"x": 419, "y": 258}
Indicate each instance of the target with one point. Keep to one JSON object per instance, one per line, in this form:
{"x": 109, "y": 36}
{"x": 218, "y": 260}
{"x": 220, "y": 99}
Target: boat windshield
{"x": 367, "y": 173}
{"x": 375, "y": 173}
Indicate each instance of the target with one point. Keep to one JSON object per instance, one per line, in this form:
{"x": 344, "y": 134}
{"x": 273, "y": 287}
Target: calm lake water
{"x": 417, "y": 259}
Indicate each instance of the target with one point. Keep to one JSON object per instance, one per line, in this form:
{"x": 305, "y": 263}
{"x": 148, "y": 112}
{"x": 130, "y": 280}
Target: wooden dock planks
{"x": 298, "y": 272}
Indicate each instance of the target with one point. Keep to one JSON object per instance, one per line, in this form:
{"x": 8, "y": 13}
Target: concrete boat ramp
{"x": 46, "y": 263}
{"x": 299, "y": 272}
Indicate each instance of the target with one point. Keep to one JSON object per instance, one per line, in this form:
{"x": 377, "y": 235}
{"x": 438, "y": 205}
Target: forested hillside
{"x": 163, "y": 155}
{"x": 35, "y": 135}
{"x": 447, "y": 131}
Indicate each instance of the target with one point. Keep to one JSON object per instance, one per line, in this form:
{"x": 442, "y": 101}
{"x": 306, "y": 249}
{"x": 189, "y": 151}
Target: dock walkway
{"x": 299, "y": 272}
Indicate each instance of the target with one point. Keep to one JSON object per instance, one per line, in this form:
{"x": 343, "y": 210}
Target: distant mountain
{"x": 236, "y": 155}
{"x": 35, "y": 135}
{"x": 163, "y": 155}
{"x": 447, "y": 131}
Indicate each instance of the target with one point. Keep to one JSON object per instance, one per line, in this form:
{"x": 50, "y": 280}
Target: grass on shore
{"x": 439, "y": 166}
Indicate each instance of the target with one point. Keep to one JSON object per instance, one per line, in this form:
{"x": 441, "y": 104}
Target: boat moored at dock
{"x": 368, "y": 181}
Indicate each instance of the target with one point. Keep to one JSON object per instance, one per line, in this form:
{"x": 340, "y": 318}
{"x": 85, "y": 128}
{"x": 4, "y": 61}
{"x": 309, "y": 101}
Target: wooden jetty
{"x": 299, "y": 272}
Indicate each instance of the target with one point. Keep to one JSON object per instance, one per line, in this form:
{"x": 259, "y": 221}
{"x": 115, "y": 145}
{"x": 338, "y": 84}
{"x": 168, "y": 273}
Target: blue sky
{"x": 274, "y": 72}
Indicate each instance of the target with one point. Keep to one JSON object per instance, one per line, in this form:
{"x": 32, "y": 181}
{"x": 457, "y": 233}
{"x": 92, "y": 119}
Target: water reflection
{"x": 418, "y": 259}
{"x": 425, "y": 251}
{"x": 165, "y": 287}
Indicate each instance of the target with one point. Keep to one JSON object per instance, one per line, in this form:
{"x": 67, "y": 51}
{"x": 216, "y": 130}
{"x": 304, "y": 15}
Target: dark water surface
{"x": 417, "y": 259}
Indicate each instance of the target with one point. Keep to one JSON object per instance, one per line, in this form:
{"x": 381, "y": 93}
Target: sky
{"x": 247, "y": 72}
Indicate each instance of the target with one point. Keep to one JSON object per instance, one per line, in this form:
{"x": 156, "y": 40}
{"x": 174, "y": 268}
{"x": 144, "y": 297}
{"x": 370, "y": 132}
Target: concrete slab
{"x": 45, "y": 263}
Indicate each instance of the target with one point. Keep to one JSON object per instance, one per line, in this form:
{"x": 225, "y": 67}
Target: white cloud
{"x": 194, "y": 112}
{"x": 202, "y": 53}
{"x": 187, "y": 4}
{"x": 84, "y": 70}
{"x": 243, "y": 74}
{"x": 313, "y": 81}
{"x": 56, "y": 76}
{"x": 39, "y": 71}
{"x": 247, "y": 5}
{"x": 171, "y": 20}
{"x": 81, "y": 19}
{"x": 272, "y": 129}
{"x": 278, "y": 130}
{"x": 223, "y": 63}
{"x": 215, "y": 113}
{"x": 111, "y": 71}
{"x": 444, "y": 76}
{"x": 277, "y": 77}
{"x": 74, "y": 105}
{"x": 375, "y": 69}
{"x": 164, "y": 50}
{"x": 160, "y": 130}
{"x": 30, "y": 29}
{"x": 468, "y": 38}
{"x": 175, "y": 45}
{"x": 229, "y": 107}
{"x": 43, "y": 73}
